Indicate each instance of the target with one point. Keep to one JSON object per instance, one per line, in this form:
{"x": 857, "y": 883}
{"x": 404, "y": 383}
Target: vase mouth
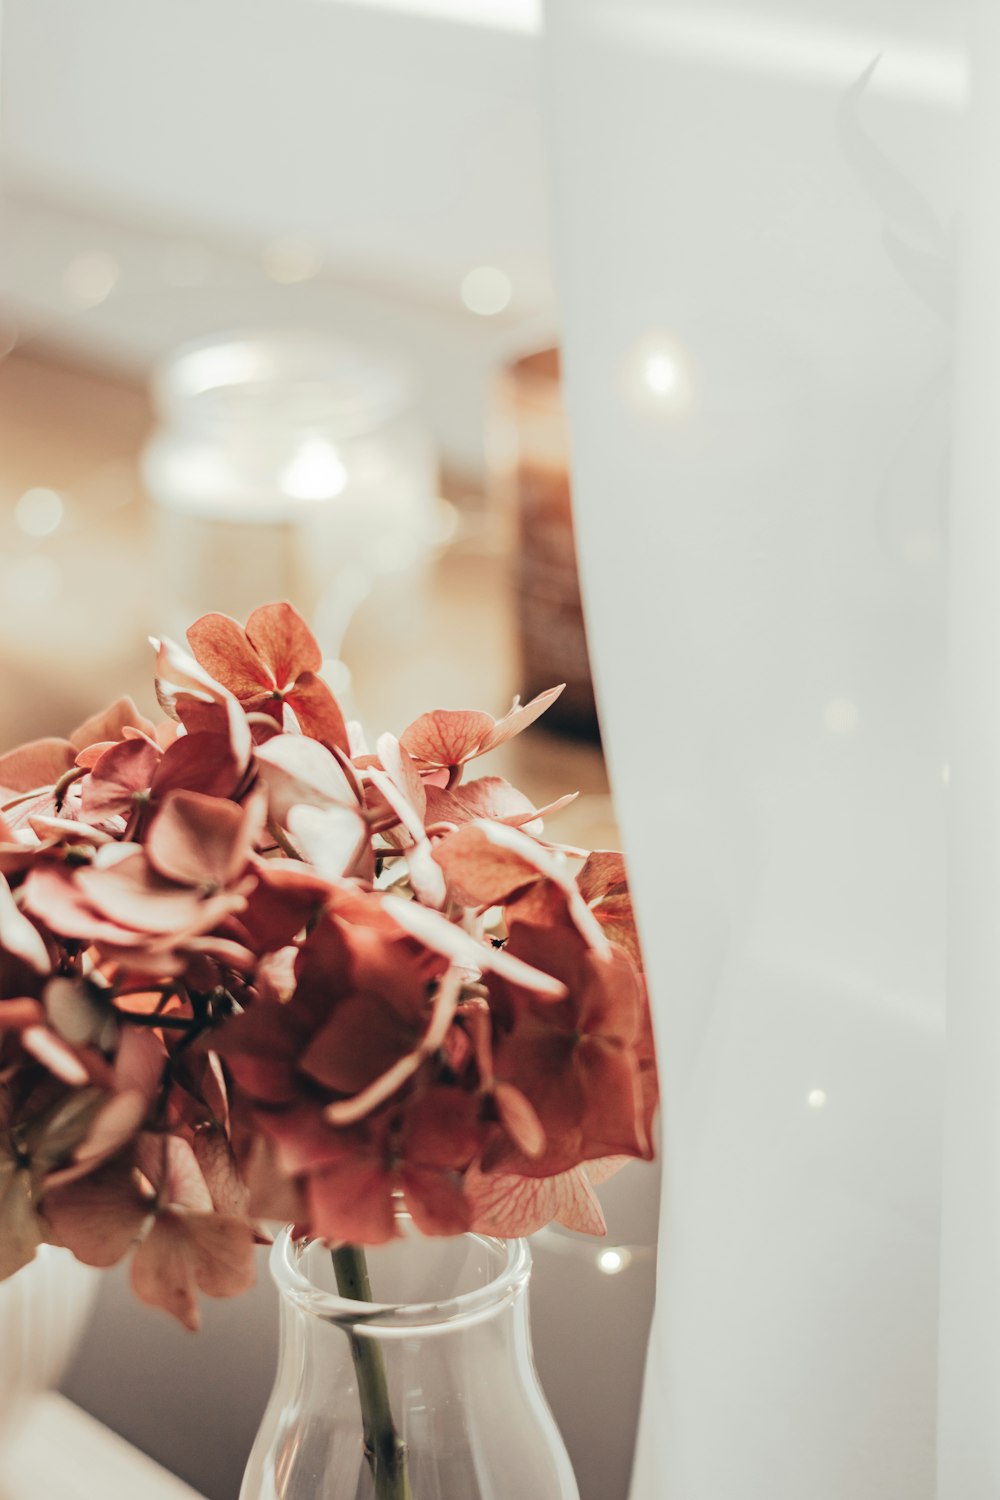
{"x": 512, "y": 1267}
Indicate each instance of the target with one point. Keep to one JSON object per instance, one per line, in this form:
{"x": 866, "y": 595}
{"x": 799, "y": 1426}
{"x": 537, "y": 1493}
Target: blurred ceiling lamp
{"x": 286, "y": 465}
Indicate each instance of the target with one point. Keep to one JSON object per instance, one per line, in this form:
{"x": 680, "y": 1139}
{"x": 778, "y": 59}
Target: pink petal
{"x": 140, "y": 1062}
{"x": 347, "y": 1111}
{"x": 444, "y": 937}
{"x": 284, "y": 642}
{"x": 99, "y": 1217}
{"x": 519, "y": 717}
{"x": 19, "y": 937}
{"x": 287, "y": 896}
{"x": 164, "y": 1274}
{"x": 510, "y": 1206}
{"x": 351, "y": 1202}
{"x": 38, "y": 764}
{"x": 221, "y": 646}
{"x": 199, "y": 841}
{"x": 15, "y": 1015}
{"x": 126, "y": 901}
{"x": 185, "y": 1252}
{"x": 602, "y": 870}
{"x": 54, "y": 896}
{"x": 115, "y": 1124}
{"x": 224, "y": 1258}
{"x": 399, "y": 767}
{"x": 447, "y": 737}
{"x": 110, "y": 724}
{"x": 67, "y": 829}
{"x": 365, "y": 1039}
{"x": 299, "y": 771}
{"x": 477, "y": 871}
{"x": 56, "y": 1055}
{"x": 177, "y": 672}
{"x": 184, "y": 1184}
{"x": 554, "y": 868}
{"x": 436, "y": 1200}
{"x": 519, "y": 1119}
{"x": 318, "y": 712}
{"x": 218, "y": 1166}
{"x": 202, "y": 761}
{"x": 331, "y": 838}
{"x": 118, "y": 777}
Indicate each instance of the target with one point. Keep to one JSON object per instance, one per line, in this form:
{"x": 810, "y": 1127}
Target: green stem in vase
{"x": 384, "y": 1448}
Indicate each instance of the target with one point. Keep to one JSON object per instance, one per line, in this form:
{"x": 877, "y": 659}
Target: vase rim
{"x": 406, "y": 1317}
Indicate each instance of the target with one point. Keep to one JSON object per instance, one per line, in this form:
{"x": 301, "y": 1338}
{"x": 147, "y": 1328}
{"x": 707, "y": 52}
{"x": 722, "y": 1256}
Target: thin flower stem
{"x": 385, "y": 1450}
{"x": 282, "y": 840}
{"x": 160, "y": 1023}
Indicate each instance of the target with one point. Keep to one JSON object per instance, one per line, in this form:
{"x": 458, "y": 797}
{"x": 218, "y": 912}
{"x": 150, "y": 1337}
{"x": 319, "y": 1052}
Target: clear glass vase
{"x": 441, "y": 1363}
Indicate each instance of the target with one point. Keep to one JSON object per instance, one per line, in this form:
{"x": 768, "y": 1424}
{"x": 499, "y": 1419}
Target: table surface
{"x": 55, "y": 1451}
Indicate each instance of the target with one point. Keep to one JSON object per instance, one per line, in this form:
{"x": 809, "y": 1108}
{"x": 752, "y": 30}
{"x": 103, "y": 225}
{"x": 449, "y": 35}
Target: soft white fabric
{"x": 754, "y": 264}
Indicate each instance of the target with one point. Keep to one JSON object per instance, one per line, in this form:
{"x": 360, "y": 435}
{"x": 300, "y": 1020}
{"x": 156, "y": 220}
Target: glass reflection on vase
{"x": 447, "y": 1343}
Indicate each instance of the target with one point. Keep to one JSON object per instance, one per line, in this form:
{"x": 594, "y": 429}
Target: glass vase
{"x": 427, "y": 1393}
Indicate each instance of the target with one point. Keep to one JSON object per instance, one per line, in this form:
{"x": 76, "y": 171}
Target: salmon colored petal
{"x": 220, "y": 645}
{"x": 223, "y": 1249}
{"x": 214, "y": 1154}
{"x": 490, "y": 797}
{"x": 164, "y": 1274}
{"x": 178, "y": 673}
{"x": 62, "y": 830}
{"x": 300, "y": 771}
{"x": 110, "y": 724}
{"x": 54, "y": 896}
{"x": 19, "y": 937}
{"x": 333, "y": 839}
{"x": 185, "y": 1253}
{"x": 53, "y": 1053}
{"x": 318, "y": 712}
{"x": 447, "y": 737}
{"x": 394, "y": 1037}
{"x": 552, "y": 867}
{"x": 351, "y": 1202}
{"x": 119, "y": 778}
{"x": 452, "y": 942}
{"x": 133, "y": 898}
{"x": 436, "y": 1200}
{"x": 519, "y": 1118}
{"x": 441, "y": 1129}
{"x": 398, "y": 765}
{"x": 284, "y": 642}
{"x": 198, "y": 840}
{"x": 364, "y": 1038}
{"x": 478, "y": 872}
{"x": 15, "y": 1015}
{"x": 518, "y": 719}
{"x": 602, "y": 870}
{"x": 202, "y": 761}
{"x": 99, "y": 1217}
{"x": 511, "y": 1206}
{"x": 38, "y": 764}
{"x": 287, "y": 896}
{"x": 116, "y": 1123}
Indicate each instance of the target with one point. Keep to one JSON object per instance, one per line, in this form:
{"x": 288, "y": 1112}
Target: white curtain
{"x": 754, "y": 231}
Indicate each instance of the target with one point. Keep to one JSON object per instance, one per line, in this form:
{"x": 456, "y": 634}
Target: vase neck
{"x": 419, "y": 1286}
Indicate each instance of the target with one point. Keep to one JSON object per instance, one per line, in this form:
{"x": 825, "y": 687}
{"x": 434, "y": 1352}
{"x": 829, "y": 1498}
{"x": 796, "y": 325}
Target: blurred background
{"x": 277, "y": 320}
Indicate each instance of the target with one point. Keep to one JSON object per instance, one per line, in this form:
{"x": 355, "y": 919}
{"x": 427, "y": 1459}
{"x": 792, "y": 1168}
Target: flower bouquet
{"x": 252, "y": 971}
